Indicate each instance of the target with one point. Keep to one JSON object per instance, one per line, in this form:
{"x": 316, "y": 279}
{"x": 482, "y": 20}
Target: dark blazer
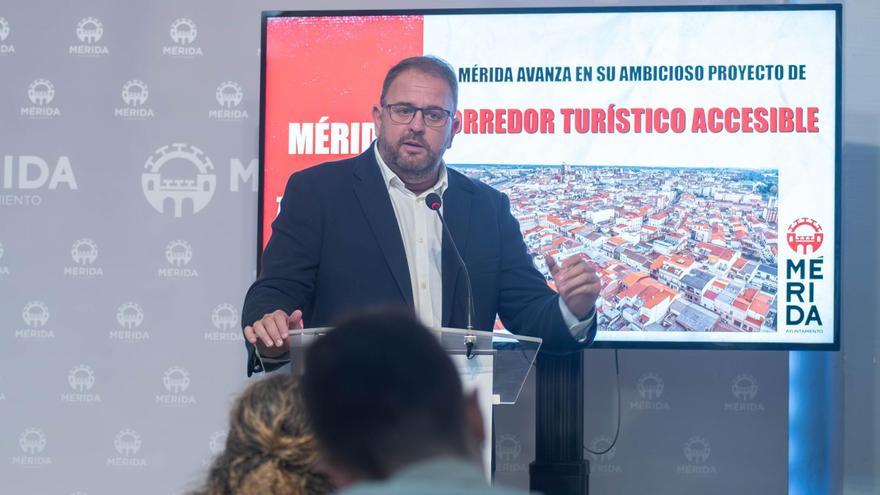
{"x": 336, "y": 247}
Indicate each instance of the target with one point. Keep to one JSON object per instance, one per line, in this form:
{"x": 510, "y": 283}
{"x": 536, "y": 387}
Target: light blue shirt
{"x": 440, "y": 476}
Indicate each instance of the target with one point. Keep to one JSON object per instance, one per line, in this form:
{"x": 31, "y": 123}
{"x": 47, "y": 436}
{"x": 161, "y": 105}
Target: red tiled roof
{"x": 658, "y": 298}
{"x": 760, "y": 308}
{"x": 648, "y": 292}
{"x": 633, "y": 277}
{"x": 754, "y": 322}
{"x": 658, "y": 262}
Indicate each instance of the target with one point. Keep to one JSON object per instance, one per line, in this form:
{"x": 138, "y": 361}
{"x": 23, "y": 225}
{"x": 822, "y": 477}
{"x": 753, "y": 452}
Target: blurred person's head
{"x": 270, "y": 448}
{"x": 383, "y": 394}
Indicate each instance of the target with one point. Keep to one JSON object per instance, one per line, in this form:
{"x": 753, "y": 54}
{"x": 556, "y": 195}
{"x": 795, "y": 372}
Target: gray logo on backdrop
{"x": 41, "y": 93}
{"x": 129, "y": 316}
{"x": 225, "y": 319}
{"x": 744, "y": 389}
{"x": 164, "y": 191}
{"x": 216, "y": 444}
{"x": 4, "y": 270}
{"x": 89, "y": 31}
{"x": 696, "y": 453}
{"x": 81, "y": 379}
{"x": 35, "y": 315}
{"x": 183, "y": 33}
{"x": 176, "y": 381}
{"x": 4, "y": 33}
{"x": 127, "y": 444}
{"x": 178, "y": 254}
{"x": 84, "y": 252}
{"x": 508, "y": 449}
{"x": 33, "y": 442}
{"x": 229, "y": 96}
{"x": 603, "y": 463}
{"x": 650, "y": 387}
{"x": 134, "y": 95}
{"x": 2, "y": 395}
{"x": 31, "y": 173}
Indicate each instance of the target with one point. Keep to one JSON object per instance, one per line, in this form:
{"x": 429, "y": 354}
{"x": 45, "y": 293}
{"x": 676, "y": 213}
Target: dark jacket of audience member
{"x": 270, "y": 448}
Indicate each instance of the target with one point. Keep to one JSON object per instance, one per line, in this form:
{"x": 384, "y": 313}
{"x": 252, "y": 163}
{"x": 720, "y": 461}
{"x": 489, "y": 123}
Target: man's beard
{"x": 400, "y": 161}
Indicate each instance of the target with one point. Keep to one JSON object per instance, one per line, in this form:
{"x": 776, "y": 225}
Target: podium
{"x": 495, "y": 364}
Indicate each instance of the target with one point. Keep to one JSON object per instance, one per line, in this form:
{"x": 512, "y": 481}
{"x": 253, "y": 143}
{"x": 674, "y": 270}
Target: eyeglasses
{"x": 404, "y": 113}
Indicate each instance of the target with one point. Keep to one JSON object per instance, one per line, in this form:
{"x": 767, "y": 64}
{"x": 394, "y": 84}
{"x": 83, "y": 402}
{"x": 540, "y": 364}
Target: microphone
{"x": 434, "y": 202}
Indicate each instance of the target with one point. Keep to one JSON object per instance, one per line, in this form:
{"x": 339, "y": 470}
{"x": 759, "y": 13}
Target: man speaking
{"x": 359, "y": 233}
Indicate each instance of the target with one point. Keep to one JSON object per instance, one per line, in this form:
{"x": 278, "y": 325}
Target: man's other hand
{"x": 577, "y": 283}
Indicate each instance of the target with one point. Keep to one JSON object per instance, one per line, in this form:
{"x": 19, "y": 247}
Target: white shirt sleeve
{"x": 578, "y": 328}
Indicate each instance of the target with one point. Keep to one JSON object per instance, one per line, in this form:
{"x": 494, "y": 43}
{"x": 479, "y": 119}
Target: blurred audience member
{"x": 389, "y": 412}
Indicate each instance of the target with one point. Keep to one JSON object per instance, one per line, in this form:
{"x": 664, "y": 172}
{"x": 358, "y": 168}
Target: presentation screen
{"x": 690, "y": 154}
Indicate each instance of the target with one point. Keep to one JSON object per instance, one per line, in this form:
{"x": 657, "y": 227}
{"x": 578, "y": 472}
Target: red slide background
{"x": 324, "y": 67}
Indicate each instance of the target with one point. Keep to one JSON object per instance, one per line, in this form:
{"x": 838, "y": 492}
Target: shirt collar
{"x": 393, "y": 181}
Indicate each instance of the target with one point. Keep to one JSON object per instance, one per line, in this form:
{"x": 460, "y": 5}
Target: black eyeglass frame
{"x": 446, "y": 113}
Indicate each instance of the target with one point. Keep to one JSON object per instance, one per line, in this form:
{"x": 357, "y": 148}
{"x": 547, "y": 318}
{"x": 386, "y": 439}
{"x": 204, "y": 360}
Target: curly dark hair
{"x": 270, "y": 447}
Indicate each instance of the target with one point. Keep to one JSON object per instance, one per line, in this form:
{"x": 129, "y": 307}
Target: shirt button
{"x": 421, "y": 240}
{"x": 424, "y": 285}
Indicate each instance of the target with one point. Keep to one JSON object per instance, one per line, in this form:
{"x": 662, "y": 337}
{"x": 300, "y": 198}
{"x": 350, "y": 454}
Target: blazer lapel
{"x": 370, "y": 189}
{"x": 457, "y": 213}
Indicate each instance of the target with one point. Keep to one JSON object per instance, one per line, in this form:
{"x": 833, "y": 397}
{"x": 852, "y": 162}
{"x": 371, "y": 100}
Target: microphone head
{"x": 433, "y": 201}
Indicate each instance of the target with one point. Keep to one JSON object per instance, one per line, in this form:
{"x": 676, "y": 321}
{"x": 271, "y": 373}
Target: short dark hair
{"x": 426, "y": 64}
{"x": 382, "y": 393}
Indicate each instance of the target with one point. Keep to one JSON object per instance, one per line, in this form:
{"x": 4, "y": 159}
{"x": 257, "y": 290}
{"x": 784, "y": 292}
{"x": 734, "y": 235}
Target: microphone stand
{"x": 434, "y": 202}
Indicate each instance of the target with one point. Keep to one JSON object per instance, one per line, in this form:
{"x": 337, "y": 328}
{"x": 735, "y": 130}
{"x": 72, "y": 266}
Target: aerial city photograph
{"x": 677, "y": 249}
